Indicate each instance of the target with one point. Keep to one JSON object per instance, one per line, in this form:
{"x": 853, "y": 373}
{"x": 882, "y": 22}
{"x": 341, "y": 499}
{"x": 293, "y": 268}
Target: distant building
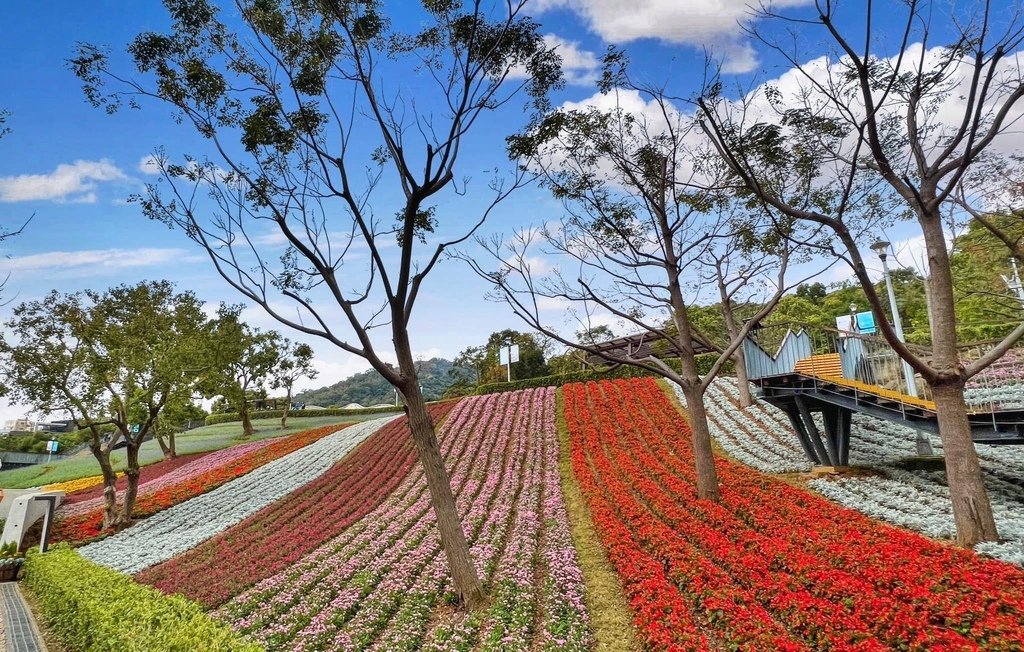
{"x": 62, "y": 425}
{"x": 19, "y": 425}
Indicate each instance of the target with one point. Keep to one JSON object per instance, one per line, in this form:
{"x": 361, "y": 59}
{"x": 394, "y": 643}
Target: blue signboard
{"x": 866, "y": 323}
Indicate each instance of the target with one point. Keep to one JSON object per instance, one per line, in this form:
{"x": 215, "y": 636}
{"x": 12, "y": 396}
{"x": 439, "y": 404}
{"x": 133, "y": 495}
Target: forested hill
{"x": 370, "y": 388}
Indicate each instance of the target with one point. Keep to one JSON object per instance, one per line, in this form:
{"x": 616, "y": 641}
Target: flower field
{"x": 282, "y": 533}
{"x": 147, "y": 474}
{"x": 210, "y": 472}
{"x": 773, "y": 567}
{"x": 918, "y": 499}
{"x": 195, "y": 513}
{"x": 382, "y": 583}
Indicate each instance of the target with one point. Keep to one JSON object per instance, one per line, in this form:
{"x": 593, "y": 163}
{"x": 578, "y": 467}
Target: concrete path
{"x": 20, "y": 632}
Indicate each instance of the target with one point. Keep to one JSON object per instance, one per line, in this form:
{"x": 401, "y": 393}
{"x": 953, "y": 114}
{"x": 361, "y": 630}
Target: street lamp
{"x": 882, "y": 249}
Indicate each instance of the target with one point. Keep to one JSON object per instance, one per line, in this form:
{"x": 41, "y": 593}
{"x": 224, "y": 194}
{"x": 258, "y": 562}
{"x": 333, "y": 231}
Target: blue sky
{"x": 72, "y": 166}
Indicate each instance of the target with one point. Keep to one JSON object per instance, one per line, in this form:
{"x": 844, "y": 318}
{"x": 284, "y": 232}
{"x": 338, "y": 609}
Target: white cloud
{"x": 149, "y": 164}
{"x": 69, "y": 182}
{"x": 578, "y": 66}
{"x": 700, "y": 23}
{"x": 97, "y": 260}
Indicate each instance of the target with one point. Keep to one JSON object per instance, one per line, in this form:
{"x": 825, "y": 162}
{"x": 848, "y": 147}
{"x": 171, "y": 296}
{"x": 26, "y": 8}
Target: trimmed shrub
{"x": 704, "y": 362}
{"x": 228, "y": 417}
{"x": 90, "y": 608}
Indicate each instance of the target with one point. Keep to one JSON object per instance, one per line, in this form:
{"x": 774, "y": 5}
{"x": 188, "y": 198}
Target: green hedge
{"x": 228, "y": 417}
{"x": 90, "y": 608}
{"x": 704, "y": 363}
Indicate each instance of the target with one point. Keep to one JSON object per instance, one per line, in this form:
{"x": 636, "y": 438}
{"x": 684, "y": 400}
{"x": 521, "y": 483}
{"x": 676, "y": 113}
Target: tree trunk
{"x": 130, "y": 493}
{"x": 972, "y": 512}
{"x": 287, "y": 405}
{"x": 164, "y": 447}
{"x": 109, "y": 486}
{"x": 453, "y": 539}
{"x": 247, "y": 429}
{"x": 173, "y": 440}
{"x": 704, "y": 458}
{"x": 733, "y": 330}
{"x": 746, "y": 398}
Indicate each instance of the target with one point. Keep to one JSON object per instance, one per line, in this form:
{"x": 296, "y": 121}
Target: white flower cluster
{"x": 187, "y": 524}
{"x": 762, "y": 437}
{"x": 1007, "y": 397}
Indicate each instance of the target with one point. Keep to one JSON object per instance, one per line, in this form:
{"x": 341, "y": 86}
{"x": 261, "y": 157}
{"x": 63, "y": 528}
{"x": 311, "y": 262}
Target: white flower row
{"x": 188, "y": 524}
{"x": 1005, "y": 396}
{"x": 762, "y": 437}
{"x": 751, "y": 436}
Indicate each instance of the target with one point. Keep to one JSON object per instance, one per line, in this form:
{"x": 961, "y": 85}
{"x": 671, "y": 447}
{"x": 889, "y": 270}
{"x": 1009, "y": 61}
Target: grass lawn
{"x": 206, "y": 438}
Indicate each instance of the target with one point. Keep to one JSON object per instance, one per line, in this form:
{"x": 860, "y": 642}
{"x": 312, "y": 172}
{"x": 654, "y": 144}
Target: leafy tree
{"x": 472, "y": 358}
{"x": 642, "y": 208}
{"x": 876, "y": 136}
{"x": 244, "y": 359}
{"x": 295, "y": 362}
{"x": 595, "y": 334}
{"x": 176, "y": 413}
{"x": 115, "y": 359}
{"x": 813, "y": 292}
{"x": 302, "y": 88}
{"x": 531, "y": 357}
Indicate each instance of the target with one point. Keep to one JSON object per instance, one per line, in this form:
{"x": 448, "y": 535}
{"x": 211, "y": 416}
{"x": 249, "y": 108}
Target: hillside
{"x": 369, "y": 388}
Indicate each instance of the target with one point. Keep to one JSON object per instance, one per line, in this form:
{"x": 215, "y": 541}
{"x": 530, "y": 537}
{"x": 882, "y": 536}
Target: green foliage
{"x": 230, "y": 417}
{"x": 370, "y": 388}
{"x": 90, "y": 608}
{"x": 531, "y": 356}
{"x": 243, "y": 358}
{"x": 704, "y": 363}
{"x": 115, "y": 357}
{"x": 9, "y": 550}
{"x": 35, "y": 442}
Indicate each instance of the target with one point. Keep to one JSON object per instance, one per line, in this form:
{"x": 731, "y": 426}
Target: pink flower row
{"x": 201, "y": 465}
{"x": 377, "y": 586}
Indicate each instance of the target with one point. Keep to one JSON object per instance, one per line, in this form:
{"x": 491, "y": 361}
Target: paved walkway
{"x": 19, "y": 632}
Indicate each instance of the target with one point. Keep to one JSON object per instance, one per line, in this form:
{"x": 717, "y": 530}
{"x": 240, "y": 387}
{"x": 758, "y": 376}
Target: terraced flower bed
{"x": 93, "y": 491}
{"x": 762, "y": 438}
{"x": 773, "y": 567}
{"x": 383, "y": 583}
{"x": 189, "y": 522}
{"x": 84, "y": 521}
{"x": 283, "y": 532}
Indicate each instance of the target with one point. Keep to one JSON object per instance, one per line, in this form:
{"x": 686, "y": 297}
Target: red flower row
{"x": 282, "y": 533}
{"x": 772, "y": 566}
{"x": 147, "y": 473}
{"x": 83, "y": 527}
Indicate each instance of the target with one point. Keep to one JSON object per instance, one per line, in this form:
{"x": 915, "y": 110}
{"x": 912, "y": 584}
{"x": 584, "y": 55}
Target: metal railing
{"x": 778, "y": 349}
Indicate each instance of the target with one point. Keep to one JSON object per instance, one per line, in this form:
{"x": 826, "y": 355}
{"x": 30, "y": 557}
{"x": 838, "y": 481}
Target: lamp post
{"x": 882, "y": 249}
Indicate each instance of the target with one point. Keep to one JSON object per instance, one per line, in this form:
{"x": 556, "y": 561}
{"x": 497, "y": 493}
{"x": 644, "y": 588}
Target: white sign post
{"x": 507, "y": 356}
{"x": 51, "y": 448}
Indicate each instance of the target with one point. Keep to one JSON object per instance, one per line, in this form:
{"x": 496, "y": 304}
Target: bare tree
{"x": 640, "y": 203}
{"x": 880, "y": 127}
{"x": 340, "y": 159}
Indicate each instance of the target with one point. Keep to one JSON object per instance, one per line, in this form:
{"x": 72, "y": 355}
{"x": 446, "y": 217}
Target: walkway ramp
{"x": 832, "y": 373}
